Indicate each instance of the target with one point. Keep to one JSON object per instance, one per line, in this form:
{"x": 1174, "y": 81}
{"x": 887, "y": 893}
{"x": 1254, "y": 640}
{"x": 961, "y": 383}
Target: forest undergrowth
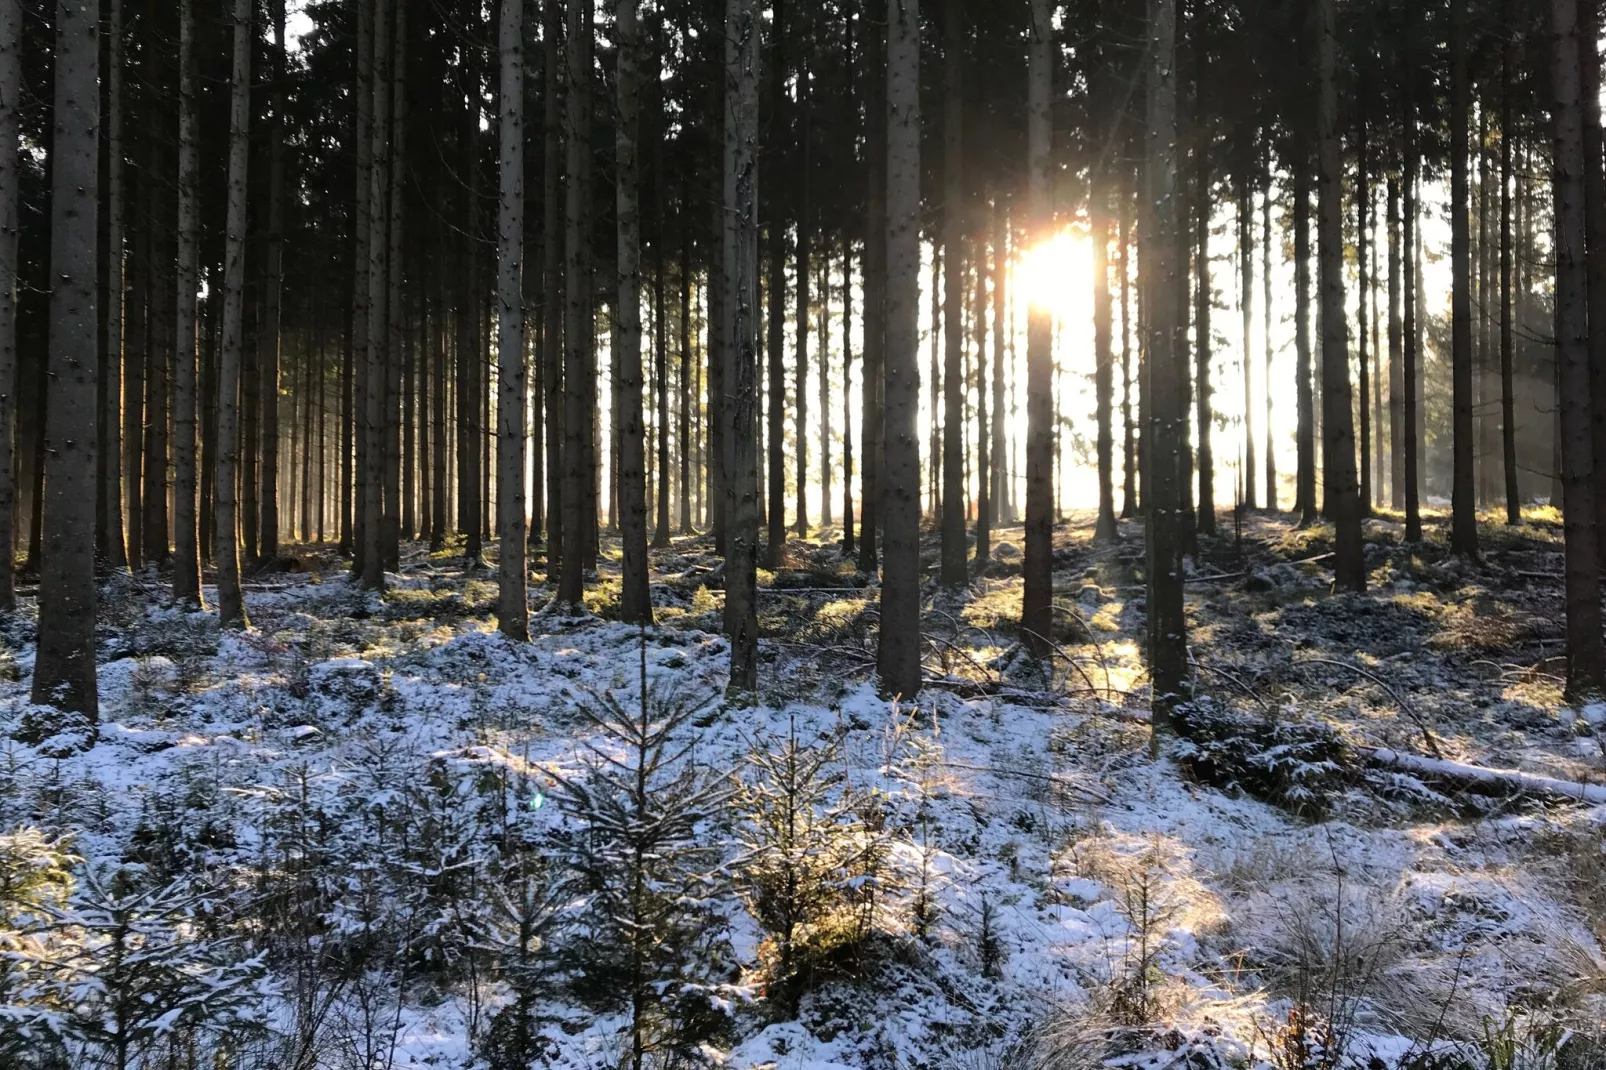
{"x": 372, "y": 832}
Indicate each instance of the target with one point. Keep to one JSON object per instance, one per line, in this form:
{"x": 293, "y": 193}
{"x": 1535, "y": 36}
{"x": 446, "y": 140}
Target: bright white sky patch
{"x": 297, "y": 24}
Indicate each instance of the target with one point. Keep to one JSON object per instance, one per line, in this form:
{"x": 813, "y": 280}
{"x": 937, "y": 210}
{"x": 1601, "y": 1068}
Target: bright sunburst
{"x": 1056, "y": 275}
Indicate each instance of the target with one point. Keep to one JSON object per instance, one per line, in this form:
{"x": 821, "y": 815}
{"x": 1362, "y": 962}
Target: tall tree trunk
{"x": 111, "y": 423}
{"x": 847, "y": 395}
{"x": 1266, "y": 313}
{"x": 231, "y": 602}
{"x": 512, "y": 603}
{"x": 1104, "y": 530}
{"x": 898, "y": 648}
{"x": 1246, "y": 302}
{"x": 683, "y": 411}
{"x": 1305, "y": 432}
{"x": 740, "y": 309}
{"x": 578, "y": 367}
{"x": 1204, "y": 391}
{"x": 1396, "y": 351}
{"x": 1166, "y": 427}
{"x": 186, "y": 556}
{"x": 1586, "y": 659}
{"x": 984, "y": 461}
{"x": 1508, "y": 399}
{"x": 375, "y": 360}
{"x": 395, "y": 352}
{"x": 775, "y": 318}
{"x": 1037, "y": 609}
{"x": 872, "y": 382}
{"x": 1363, "y": 197}
{"x": 775, "y": 324}
{"x": 1129, "y": 445}
{"x": 64, "y": 665}
{"x": 1463, "y": 491}
{"x": 805, "y": 236}
{"x": 552, "y": 302}
{"x": 824, "y": 328}
{"x": 355, "y": 450}
{"x": 934, "y": 451}
{"x": 660, "y": 343}
{"x": 1338, "y": 400}
{"x": 153, "y": 441}
{"x": 1588, "y": 24}
{"x": 954, "y": 572}
{"x": 270, "y": 342}
{"x": 635, "y": 602}
{"x": 10, "y": 93}
{"x": 135, "y": 339}
{"x": 1411, "y": 366}
{"x": 437, "y": 439}
{"x": 1486, "y": 392}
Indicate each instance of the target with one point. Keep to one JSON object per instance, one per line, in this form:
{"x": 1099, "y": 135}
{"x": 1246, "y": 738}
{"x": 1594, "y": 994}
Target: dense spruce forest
{"x": 807, "y": 535}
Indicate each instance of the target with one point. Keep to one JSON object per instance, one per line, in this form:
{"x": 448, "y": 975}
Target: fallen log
{"x": 1483, "y": 780}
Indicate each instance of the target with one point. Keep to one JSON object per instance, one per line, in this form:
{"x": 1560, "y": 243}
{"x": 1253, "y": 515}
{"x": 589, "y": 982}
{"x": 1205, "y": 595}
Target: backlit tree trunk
{"x": 231, "y": 602}
{"x": 111, "y": 425}
{"x": 740, "y": 309}
{"x": 898, "y": 653}
{"x": 1338, "y": 428}
{"x": 1165, "y": 431}
{"x": 578, "y": 415}
{"x": 1037, "y": 610}
{"x": 1103, "y": 370}
{"x": 635, "y": 603}
{"x": 1463, "y": 491}
{"x": 954, "y": 551}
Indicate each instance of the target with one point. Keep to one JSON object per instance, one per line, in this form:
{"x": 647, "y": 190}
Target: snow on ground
{"x": 1077, "y": 902}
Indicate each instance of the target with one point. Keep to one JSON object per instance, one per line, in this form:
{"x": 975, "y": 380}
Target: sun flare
{"x": 1056, "y": 274}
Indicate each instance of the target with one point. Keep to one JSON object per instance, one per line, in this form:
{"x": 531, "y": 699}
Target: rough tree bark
{"x": 1508, "y": 400}
{"x": 111, "y": 426}
{"x": 1305, "y": 431}
{"x": 512, "y": 603}
{"x": 954, "y": 573}
{"x": 1338, "y": 428}
{"x": 269, "y": 332}
{"x": 1396, "y": 350}
{"x": 1037, "y": 608}
{"x": 552, "y": 320}
{"x": 774, "y": 152}
{"x": 740, "y": 308}
{"x": 635, "y": 602}
{"x": 1463, "y": 491}
{"x": 186, "y": 548}
{"x": 871, "y": 430}
{"x": 1103, "y": 371}
{"x": 10, "y": 98}
{"x": 231, "y": 602}
{"x": 577, "y": 358}
{"x": 372, "y": 361}
{"x": 1586, "y": 659}
{"x": 1203, "y": 346}
{"x": 64, "y": 666}
{"x": 1165, "y": 432}
{"x": 1410, "y": 365}
{"x": 1246, "y": 289}
{"x": 898, "y": 651}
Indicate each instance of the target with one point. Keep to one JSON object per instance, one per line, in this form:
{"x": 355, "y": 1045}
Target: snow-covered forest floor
{"x": 372, "y": 832}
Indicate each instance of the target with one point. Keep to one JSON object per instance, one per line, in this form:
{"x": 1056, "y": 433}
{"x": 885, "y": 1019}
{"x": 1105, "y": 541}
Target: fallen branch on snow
{"x": 1483, "y": 780}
